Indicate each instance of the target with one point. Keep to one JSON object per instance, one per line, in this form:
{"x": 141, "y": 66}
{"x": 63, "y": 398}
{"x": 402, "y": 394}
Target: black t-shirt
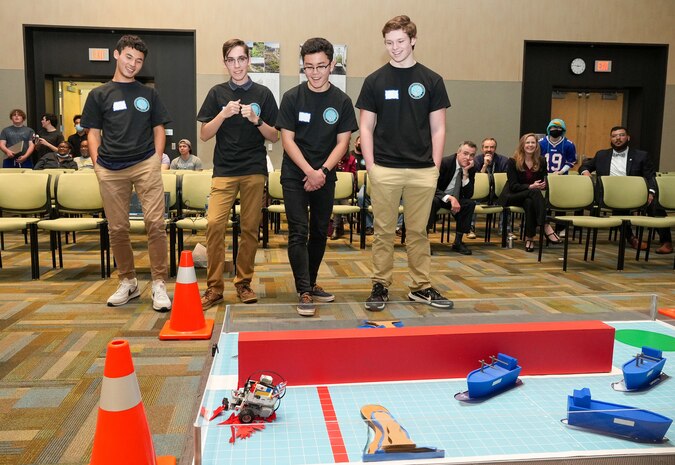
{"x": 403, "y": 98}
{"x": 126, "y": 112}
{"x": 240, "y": 147}
{"x": 54, "y": 138}
{"x": 316, "y": 118}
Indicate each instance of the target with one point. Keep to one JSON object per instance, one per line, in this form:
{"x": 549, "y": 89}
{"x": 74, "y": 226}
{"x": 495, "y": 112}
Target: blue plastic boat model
{"x": 614, "y": 419}
{"x": 643, "y": 369}
{"x": 501, "y": 373}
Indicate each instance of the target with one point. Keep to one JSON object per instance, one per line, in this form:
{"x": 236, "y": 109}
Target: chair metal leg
{"x": 58, "y": 235}
{"x": 101, "y": 239}
{"x": 266, "y": 228}
{"x": 565, "y": 248}
{"x": 622, "y": 247}
{"x": 34, "y": 255}
{"x": 650, "y": 236}
{"x": 588, "y": 239}
{"x": 52, "y": 247}
{"x": 172, "y": 249}
{"x": 595, "y": 241}
{"x": 362, "y": 221}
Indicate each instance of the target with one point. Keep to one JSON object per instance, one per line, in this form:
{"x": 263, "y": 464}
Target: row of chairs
{"x": 61, "y": 201}
{"x": 576, "y": 195}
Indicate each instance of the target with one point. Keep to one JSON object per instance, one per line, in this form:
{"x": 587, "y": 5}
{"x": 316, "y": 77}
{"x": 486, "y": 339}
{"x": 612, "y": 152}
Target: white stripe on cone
{"x": 120, "y": 394}
{"x": 186, "y": 275}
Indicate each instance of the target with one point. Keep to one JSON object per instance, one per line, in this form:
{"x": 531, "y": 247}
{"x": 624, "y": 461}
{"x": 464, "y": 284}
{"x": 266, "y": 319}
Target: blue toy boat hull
{"x": 493, "y": 378}
{"x": 615, "y": 419}
{"x": 639, "y": 372}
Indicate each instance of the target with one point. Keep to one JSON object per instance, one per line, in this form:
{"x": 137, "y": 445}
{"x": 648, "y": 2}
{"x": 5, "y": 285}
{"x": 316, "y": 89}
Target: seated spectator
{"x": 186, "y": 160}
{"x": 526, "y": 179}
{"x": 166, "y": 162}
{"x": 454, "y": 190}
{"x": 84, "y": 160}
{"x": 59, "y": 159}
{"x": 490, "y": 162}
{"x": 622, "y": 160}
{"x": 346, "y": 164}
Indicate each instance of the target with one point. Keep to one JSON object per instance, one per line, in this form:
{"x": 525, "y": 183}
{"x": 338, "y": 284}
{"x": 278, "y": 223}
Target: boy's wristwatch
{"x": 259, "y": 123}
{"x": 325, "y": 170}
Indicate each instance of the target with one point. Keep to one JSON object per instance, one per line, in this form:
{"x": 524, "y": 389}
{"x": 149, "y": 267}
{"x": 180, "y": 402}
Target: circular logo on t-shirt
{"x": 256, "y": 109}
{"x": 416, "y": 90}
{"x": 330, "y": 115}
{"x": 141, "y": 104}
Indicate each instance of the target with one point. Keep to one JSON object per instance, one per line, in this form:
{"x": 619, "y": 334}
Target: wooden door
{"x": 588, "y": 116}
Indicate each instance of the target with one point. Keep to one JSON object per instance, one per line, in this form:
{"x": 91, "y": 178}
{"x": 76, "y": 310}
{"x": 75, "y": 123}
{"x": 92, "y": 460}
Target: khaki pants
{"x": 223, "y": 194}
{"x": 116, "y": 187}
{"x": 417, "y": 188}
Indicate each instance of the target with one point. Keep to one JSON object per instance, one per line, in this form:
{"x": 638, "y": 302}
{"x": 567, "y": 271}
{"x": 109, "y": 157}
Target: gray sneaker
{"x": 127, "y": 290}
{"x": 319, "y": 295}
{"x": 306, "y": 306}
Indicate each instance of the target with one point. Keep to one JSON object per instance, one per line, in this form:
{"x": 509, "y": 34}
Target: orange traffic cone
{"x": 187, "y": 316}
{"x": 122, "y": 432}
{"x": 667, "y": 312}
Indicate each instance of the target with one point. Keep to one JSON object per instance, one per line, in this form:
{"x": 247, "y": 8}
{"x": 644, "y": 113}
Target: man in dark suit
{"x": 454, "y": 191}
{"x": 489, "y": 161}
{"x": 621, "y": 160}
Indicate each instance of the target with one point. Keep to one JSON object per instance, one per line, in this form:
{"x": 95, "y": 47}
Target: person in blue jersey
{"x": 559, "y": 152}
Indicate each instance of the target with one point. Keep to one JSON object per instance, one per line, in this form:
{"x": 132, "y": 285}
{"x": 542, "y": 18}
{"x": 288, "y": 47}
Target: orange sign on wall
{"x": 99, "y": 54}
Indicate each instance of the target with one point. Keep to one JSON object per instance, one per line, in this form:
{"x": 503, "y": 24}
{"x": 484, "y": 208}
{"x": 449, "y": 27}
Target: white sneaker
{"x": 160, "y": 299}
{"x": 471, "y": 234}
{"x": 127, "y": 290}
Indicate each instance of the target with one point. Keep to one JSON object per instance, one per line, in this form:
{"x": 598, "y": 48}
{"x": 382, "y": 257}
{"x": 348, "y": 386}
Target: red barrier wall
{"x": 430, "y": 352}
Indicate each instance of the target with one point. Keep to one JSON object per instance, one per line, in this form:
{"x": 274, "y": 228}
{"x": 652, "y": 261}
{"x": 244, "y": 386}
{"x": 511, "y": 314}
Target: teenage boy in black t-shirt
{"x": 126, "y": 141}
{"x": 402, "y": 123}
{"x": 241, "y": 114}
{"x": 316, "y": 121}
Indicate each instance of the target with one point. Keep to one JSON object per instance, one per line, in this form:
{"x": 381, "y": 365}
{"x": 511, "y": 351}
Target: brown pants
{"x": 116, "y": 187}
{"x": 224, "y": 192}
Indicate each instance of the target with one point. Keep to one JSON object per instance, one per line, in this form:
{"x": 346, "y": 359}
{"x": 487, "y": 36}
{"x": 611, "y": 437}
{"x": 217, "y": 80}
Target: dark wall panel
{"x": 63, "y": 52}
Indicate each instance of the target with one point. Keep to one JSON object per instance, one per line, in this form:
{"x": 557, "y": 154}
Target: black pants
{"x": 534, "y": 205}
{"x": 307, "y": 230}
{"x": 664, "y": 233}
{"x": 463, "y": 217}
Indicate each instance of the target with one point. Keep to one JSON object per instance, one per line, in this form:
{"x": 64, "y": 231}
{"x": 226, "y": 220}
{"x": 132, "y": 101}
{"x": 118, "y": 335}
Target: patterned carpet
{"x": 54, "y": 331}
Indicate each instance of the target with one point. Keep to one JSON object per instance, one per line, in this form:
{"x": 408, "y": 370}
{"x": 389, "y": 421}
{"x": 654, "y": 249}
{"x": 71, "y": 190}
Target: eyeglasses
{"x": 240, "y": 60}
{"x": 319, "y": 68}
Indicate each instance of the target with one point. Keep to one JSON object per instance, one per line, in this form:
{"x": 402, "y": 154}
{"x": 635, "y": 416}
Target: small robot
{"x": 260, "y": 397}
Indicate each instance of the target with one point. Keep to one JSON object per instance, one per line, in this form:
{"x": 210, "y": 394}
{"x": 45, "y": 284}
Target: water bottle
{"x": 509, "y": 241}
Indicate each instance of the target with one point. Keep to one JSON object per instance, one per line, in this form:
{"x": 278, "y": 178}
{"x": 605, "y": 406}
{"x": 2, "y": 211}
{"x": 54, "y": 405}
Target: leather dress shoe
{"x": 461, "y": 248}
{"x": 666, "y": 248}
{"x": 634, "y": 242}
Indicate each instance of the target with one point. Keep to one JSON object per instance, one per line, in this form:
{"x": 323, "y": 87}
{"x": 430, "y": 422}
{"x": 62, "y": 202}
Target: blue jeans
{"x": 307, "y": 229}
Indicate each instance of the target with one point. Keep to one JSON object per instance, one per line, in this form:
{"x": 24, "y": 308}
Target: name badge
{"x": 391, "y": 94}
{"x": 304, "y": 117}
{"x": 119, "y": 105}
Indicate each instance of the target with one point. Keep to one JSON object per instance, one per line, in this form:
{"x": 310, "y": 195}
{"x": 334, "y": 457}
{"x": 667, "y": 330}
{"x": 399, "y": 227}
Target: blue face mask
{"x": 78, "y": 128}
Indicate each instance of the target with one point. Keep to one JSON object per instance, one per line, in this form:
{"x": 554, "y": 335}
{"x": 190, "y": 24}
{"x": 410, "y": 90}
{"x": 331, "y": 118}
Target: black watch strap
{"x": 259, "y": 123}
{"x": 325, "y": 170}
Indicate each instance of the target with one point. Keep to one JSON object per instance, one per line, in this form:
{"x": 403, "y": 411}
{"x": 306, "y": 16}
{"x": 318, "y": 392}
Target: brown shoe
{"x": 245, "y": 293}
{"x": 666, "y": 247}
{"x": 211, "y": 298}
{"x": 634, "y": 241}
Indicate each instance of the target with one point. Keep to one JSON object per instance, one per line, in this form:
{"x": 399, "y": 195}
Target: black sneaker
{"x": 461, "y": 248}
{"x": 431, "y": 297}
{"x": 306, "y": 306}
{"x": 377, "y": 299}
